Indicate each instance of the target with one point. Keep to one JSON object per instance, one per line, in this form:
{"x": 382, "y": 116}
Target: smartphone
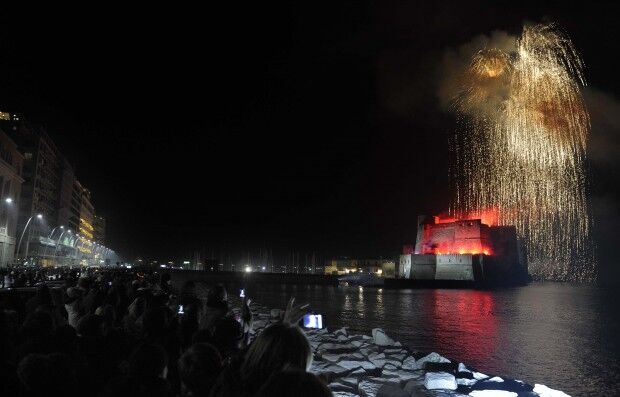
{"x": 313, "y": 321}
{"x": 242, "y": 293}
{"x": 181, "y": 309}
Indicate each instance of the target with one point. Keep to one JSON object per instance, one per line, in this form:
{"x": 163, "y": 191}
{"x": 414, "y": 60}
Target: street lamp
{"x": 8, "y": 200}
{"x": 39, "y": 216}
{"x": 54, "y": 229}
{"x": 59, "y": 239}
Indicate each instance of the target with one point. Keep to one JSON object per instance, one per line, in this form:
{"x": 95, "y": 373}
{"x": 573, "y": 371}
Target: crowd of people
{"x": 126, "y": 333}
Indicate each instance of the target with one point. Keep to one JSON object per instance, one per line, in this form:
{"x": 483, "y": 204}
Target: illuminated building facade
{"x": 461, "y": 249}
{"x": 87, "y": 217}
{"x": 49, "y": 188}
{"x": 348, "y": 266}
{"x": 10, "y": 190}
{"x": 41, "y": 172}
{"x": 99, "y": 233}
{"x": 69, "y": 203}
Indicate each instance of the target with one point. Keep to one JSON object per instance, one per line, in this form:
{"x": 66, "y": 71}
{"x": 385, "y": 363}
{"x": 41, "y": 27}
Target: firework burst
{"x": 521, "y": 150}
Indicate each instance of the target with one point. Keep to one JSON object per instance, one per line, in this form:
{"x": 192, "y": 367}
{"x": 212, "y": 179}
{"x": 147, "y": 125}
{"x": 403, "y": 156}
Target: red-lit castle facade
{"x": 469, "y": 248}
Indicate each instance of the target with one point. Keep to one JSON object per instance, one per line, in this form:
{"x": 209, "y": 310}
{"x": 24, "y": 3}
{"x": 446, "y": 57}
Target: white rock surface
{"x": 402, "y": 375}
{"x": 356, "y": 364}
{"x": 381, "y": 338}
{"x": 431, "y": 358}
{"x": 362, "y": 365}
{"x": 463, "y": 368}
{"x": 492, "y": 393}
{"x": 479, "y": 375}
{"x": 409, "y": 363}
{"x": 440, "y": 380}
{"x": 466, "y": 382}
{"x": 367, "y": 388}
{"x": 544, "y": 391}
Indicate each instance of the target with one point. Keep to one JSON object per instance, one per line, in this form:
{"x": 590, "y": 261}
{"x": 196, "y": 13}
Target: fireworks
{"x": 521, "y": 150}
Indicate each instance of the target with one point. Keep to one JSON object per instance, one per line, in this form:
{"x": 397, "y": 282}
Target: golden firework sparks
{"x": 521, "y": 150}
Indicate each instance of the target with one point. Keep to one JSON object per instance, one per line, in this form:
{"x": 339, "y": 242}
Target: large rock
{"x": 463, "y": 368}
{"x": 404, "y": 376}
{"x": 493, "y": 393}
{"x": 431, "y": 358}
{"x": 391, "y": 391}
{"x": 351, "y": 381}
{"x": 381, "y": 338}
{"x": 335, "y": 357}
{"x": 409, "y": 363}
{"x": 349, "y": 364}
{"x": 367, "y": 388}
{"x": 544, "y": 391}
{"x": 341, "y": 331}
{"x": 440, "y": 380}
{"x": 466, "y": 382}
{"x": 327, "y": 368}
{"x": 338, "y": 386}
{"x": 338, "y": 348}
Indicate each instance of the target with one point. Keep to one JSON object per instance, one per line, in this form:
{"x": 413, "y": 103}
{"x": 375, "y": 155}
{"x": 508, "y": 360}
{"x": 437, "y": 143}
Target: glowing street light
{"x": 8, "y": 200}
{"x": 39, "y": 216}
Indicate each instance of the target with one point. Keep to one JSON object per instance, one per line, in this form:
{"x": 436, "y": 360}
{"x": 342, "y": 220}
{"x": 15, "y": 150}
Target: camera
{"x": 314, "y": 321}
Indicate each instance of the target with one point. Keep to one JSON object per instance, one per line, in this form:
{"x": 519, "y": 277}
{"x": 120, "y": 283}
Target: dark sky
{"x": 304, "y": 125}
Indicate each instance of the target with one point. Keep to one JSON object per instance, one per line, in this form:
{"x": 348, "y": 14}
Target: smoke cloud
{"x": 604, "y": 144}
{"x": 456, "y": 62}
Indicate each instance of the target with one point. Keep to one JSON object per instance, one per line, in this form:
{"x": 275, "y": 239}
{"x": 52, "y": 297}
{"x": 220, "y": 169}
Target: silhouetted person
{"x": 296, "y": 383}
{"x": 199, "y": 367}
{"x": 278, "y": 348}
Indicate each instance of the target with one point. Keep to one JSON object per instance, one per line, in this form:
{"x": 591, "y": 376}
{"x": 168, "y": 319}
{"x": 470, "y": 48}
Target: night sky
{"x": 307, "y": 126}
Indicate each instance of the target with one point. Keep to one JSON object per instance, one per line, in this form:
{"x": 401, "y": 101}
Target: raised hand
{"x": 293, "y": 313}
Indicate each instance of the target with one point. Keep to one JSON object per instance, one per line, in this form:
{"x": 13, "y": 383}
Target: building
{"x": 99, "y": 226}
{"x": 87, "y": 217}
{"x": 461, "y": 249}
{"x": 343, "y": 266}
{"x": 69, "y": 201}
{"x": 10, "y": 190}
{"x": 50, "y": 188}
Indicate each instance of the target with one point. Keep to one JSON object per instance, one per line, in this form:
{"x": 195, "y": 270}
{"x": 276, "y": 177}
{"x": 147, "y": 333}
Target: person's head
{"x": 278, "y": 348}
{"x": 73, "y": 294}
{"x": 217, "y": 295}
{"x": 294, "y": 383}
{"x": 227, "y": 333}
{"x": 43, "y": 295}
{"x": 189, "y": 288}
{"x": 137, "y": 307}
{"x": 83, "y": 283}
{"x": 199, "y": 367}
{"x": 108, "y": 316}
{"x": 156, "y": 321}
{"x": 148, "y": 361}
{"x": 47, "y": 374}
{"x": 90, "y": 326}
{"x": 38, "y": 324}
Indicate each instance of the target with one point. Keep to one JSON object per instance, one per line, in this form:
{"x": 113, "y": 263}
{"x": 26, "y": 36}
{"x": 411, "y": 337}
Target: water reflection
{"x": 558, "y": 334}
